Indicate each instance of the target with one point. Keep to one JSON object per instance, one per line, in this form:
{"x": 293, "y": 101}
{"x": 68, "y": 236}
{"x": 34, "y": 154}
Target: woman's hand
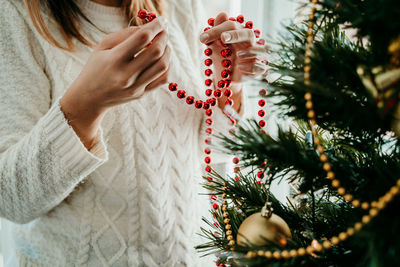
{"x": 121, "y": 68}
{"x": 247, "y": 58}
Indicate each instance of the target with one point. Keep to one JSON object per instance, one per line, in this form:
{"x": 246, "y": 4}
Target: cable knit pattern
{"x": 133, "y": 199}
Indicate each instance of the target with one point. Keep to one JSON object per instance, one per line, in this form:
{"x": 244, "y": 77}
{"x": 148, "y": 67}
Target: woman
{"x": 99, "y": 162}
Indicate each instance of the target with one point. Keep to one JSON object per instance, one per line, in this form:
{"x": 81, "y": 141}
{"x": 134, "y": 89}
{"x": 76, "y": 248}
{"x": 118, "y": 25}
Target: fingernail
{"x": 241, "y": 53}
{"x": 163, "y": 21}
{"x": 226, "y": 37}
{"x": 204, "y": 37}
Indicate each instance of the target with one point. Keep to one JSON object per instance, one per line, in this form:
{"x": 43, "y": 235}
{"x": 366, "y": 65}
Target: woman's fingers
{"x": 163, "y": 79}
{"x": 151, "y": 74}
{"x": 148, "y": 56}
{"x": 221, "y": 17}
{"x": 115, "y": 38}
{"x": 214, "y": 33}
{"x": 254, "y": 52}
{"x": 252, "y": 67}
{"x": 138, "y": 40}
{"x": 238, "y": 36}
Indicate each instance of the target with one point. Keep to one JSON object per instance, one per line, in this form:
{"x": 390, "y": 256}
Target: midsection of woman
{"x": 140, "y": 207}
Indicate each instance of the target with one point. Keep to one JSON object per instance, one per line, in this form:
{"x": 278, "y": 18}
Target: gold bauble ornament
{"x": 259, "y": 230}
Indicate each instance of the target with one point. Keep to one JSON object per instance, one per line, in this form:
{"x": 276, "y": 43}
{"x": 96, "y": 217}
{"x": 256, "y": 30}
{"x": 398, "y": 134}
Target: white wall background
{"x": 267, "y": 16}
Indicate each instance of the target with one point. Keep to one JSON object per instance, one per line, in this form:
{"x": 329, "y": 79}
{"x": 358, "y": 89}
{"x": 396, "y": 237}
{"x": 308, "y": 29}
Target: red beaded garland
{"x": 181, "y": 94}
{"x": 240, "y": 19}
{"x": 209, "y": 112}
{"x": 209, "y": 92}
{"x": 257, "y": 33}
{"x": 142, "y": 14}
{"x": 214, "y": 197}
{"x": 226, "y": 63}
{"x": 208, "y": 72}
{"x": 236, "y": 160}
{"x": 261, "y": 113}
{"x": 207, "y": 160}
{"x": 232, "y": 19}
{"x": 190, "y": 100}
{"x": 237, "y": 169}
{"x": 228, "y": 92}
{"x": 208, "y": 52}
{"x": 262, "y": 92}
{"x": 226, "y": 53}
{"x": 212, "y": 101}
{"x": 206, "y": 28}
{"x": 208, "y": 82}
{"x": 207, "y": 151}
{"x": 206, "y": 105}
{"x": 228, "y": 83}
{"x": 208, "y": 62}
{"x": 172, "y": 87}
{"x": 209, "y": 131}
{"x": 229, "y": 102}
{"x": 198, "y": 104}
{"x": 211, "y": 21}
{"x": 261, "y": 102}
{"x": 249, "y": 25}
{"x": 217, "y": 93}
{"x": 225, "y": 74}
{"x": 221, "y": 84}
{"x": 208, "y": 140}
{"x": 215, "y": 206}
{"x": 260, "y": 174}
{"x": 151, "y": 16}
{"x": 209, "y": 122}
{"x": 261, "y": 42}
{"x": 262, "y": 123}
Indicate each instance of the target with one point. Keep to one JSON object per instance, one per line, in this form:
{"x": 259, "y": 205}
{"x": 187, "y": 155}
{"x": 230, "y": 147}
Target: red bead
{"x": 262, "y": 123}
{"x": 217, "y": 93}
{"x": 206, "y": 105}
{"x": 260, "y": 174}
{"x": 198, "y": 104}
{"x": 151, "y": 16}
{"x": 215, "y": 206}
{"x": 261, "y": 42}
{"x": 207, "y": 151}
{"x": 249, "y": 25}
{"x": 257, "y": 33}
{"x": 232, "y": 19}
{"x": 211, "y": 21}
{"x": 208, "y": 82}
{"x": 258, "y": 183}
{"x": 261, "y": 113}
{"x": 207, "y": 160}
{"x": 209, "y": 131}
{"x": 208, "y": 52}
{"x": 210, "y": 179}
{"x": 261, "y": 103}
{"x": 240, "y": 19}
{"x": 213, "y": 101}
{"x": 228, "y": 83}
{"x": 208, "y": 72}
{"x": 216, "y": 224}
{"x": 142, "y": 14}
{"x": 235, "y": 160}
{"x": 208, "y": 140}
{"x": 226, "y": 52}
{"x": 228, "y": 92}
{"x": 206, "y": 29}
{"x": 209, "y": 112}
{"x": 226, "y": 63}
{"x": 209, "y": 92}
{"x": 208, "y": 62}
{"x": 237, "y": 169}
{"x": 263, "y": 164}
{"x": 172, "y": 87}
{"x": 237, "y": 178}
{"x": 224, "y": 44}
{"x": 221, "y": 84}
{"x": 225, "y": 74}
{"x": 190, "y": 100}
{"x": 181, "y": 94}
{"x": 214, "y": 197}
{"x": 229, "y": 102}
{"x": 208, "y": 169}
{"x": 262, "y": 92}
{"x": 232, "y": 121}
{"x": 209, "y": 122}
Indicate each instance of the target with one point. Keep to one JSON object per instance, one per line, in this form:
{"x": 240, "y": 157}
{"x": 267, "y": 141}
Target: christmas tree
{"x": 342, "y": 160}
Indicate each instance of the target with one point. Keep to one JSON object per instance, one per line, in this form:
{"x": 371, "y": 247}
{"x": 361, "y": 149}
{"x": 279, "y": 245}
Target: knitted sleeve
{"x": 41, "y": 157}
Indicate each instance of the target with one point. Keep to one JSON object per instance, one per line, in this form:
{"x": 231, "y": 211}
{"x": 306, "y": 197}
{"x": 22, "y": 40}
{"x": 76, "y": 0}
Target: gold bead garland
{"x": 373, "y": 208}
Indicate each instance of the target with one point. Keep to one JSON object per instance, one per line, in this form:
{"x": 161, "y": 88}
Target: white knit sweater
{"x": 132, "y": 200}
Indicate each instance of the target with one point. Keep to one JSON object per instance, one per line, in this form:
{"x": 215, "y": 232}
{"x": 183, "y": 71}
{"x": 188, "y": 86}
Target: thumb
{"x": 113, "y": 39}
